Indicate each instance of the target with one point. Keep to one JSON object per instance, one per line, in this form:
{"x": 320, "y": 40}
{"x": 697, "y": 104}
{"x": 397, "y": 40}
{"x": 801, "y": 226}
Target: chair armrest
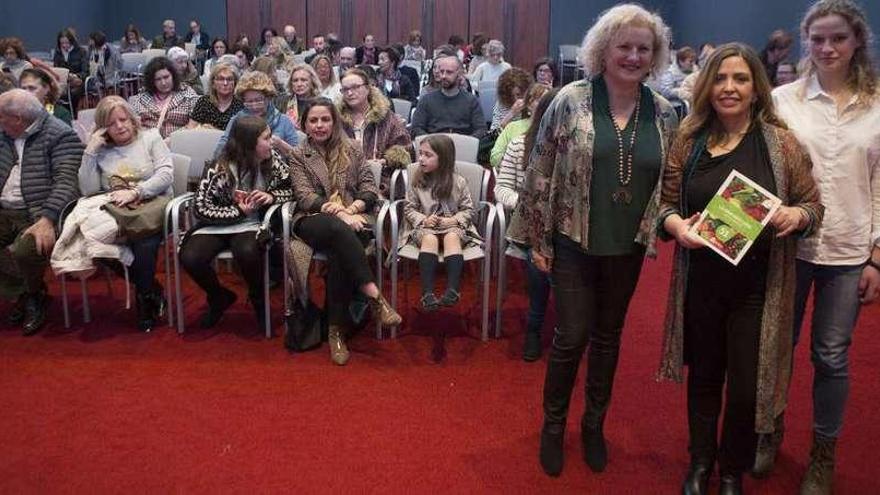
{"x": 62, "y": 216}
{"x": 267, "y": 217}
{"x": 393, "y": 215}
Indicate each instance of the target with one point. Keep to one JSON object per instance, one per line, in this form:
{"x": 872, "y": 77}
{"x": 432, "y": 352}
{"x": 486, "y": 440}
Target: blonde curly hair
{"x": 255, "y": 81}
{"x": 602, "y": 33}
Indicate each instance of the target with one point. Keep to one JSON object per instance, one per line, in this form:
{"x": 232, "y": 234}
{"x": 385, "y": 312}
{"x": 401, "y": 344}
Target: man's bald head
{"x": 18, "y": 110}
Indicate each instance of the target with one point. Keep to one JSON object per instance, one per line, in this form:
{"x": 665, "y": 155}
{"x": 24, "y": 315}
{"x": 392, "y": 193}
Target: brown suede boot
{"x": 384, "y": 312}
{"x": 820, "y": 473}
{"x": 338, "y": 350}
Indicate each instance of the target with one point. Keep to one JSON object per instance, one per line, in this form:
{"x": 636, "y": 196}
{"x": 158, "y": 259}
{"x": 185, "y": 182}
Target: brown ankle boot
{"x": 338, "y": 350}
{"x": 820, "y": 473}
{"x": 384, "y": 312}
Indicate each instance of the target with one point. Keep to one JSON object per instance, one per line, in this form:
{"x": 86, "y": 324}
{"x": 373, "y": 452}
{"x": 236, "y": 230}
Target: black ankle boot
{"x": 552, "y": 458}
{"x": 595, "y": 448}
{"x": 17, "y": 313}
{"x": 731, "y": 484}
{"x": 217, "y": 305}
{"x": 145, "y": 313}
{"x": 697, "y": 480}
{"x": 35, "y": 305}
{"x": 532, "y": 345}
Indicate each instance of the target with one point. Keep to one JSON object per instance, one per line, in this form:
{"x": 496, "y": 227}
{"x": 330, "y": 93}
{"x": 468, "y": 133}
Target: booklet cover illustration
{"x": 735, "y": 217}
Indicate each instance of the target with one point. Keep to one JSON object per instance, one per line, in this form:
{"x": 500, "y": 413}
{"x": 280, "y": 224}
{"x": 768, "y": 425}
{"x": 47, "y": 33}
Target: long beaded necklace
{"x": 623, "y": 195}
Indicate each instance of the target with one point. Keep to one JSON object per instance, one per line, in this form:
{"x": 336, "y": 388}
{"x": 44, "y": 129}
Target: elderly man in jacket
{"x": 39, "y": 159}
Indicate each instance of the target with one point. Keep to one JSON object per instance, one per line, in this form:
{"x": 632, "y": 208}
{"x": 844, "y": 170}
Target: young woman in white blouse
{"x": 834, "y": 111}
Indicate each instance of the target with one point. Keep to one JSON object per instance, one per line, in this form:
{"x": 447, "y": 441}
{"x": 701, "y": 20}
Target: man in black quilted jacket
{"x": 39, "y": 159}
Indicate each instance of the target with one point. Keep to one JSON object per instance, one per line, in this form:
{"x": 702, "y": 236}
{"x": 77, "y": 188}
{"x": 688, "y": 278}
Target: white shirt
{"x": 845, "y": 150}
{"x": 11, "y": 197}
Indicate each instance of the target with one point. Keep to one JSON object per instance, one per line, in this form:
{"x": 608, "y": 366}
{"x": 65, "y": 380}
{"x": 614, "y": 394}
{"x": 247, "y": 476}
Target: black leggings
{"x": 592, "y": 296}
{"x": 722, "y": 323}
{"x": 198, "y": 253}
{"x": 347, "y": 267}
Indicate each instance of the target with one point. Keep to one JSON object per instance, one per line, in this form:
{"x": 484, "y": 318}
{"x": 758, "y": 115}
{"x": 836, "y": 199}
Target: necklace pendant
{"x": 622, "y": 196}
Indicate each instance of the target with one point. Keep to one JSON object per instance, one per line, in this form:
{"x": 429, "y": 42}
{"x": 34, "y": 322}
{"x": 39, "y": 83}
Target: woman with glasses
{"x": 367, "y": 117}
{"x": 256, "y": 92}
{"x": 215, "y": 109}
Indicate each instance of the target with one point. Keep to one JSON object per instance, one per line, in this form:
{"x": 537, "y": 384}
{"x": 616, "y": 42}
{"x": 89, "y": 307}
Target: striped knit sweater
{"x": 511, "y": 174}
{"x": 52, "y": 154}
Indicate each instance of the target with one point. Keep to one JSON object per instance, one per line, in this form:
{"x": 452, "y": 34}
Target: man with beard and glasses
{"x": 450, "y": 109}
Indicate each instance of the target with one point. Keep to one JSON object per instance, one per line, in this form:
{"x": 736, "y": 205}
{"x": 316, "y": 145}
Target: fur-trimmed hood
{"x": 379, "y": 108}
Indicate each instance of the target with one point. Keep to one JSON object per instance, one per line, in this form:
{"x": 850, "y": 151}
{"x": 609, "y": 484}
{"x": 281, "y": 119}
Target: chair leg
{"x": 87, "y": 315}
{"x": 379, "y": 284}
{"x": 168, "y": 301}
{"x": 266, "y": 303}
{"x": 177, "y": 292}
{"x": 394, "y": 284}
{"x": 487, "y": 266}
{"x": 500, "y": 290}
{"x": 64, "y": 304}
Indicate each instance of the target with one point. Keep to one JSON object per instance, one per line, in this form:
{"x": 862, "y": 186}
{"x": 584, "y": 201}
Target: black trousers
{"x": 592, "y": 294}
{"x": 347, "y": 267}
{"x": 198, "y": 253}
{"x": 722, "y": 324}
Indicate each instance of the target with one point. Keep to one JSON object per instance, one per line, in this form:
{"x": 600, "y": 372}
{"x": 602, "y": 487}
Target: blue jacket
{"x": 279, "y": 124}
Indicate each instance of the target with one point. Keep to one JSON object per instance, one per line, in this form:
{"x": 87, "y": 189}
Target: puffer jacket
{"x": 52, "y": 154}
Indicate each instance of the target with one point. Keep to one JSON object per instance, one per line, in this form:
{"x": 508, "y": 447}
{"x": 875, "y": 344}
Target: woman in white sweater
{"x": 121, "y": 151}
{"x": 493, "y": 67}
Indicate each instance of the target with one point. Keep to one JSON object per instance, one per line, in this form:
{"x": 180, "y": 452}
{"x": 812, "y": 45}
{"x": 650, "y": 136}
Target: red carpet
{"x": 104, "y": 409}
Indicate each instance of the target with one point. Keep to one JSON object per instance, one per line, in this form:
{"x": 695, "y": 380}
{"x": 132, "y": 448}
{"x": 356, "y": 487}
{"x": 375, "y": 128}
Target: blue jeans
{"x": 539, "y": 293}
{"x": 835, "y": 311}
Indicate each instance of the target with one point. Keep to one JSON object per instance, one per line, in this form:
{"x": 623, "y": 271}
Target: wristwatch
{"x": 873, "y": 263}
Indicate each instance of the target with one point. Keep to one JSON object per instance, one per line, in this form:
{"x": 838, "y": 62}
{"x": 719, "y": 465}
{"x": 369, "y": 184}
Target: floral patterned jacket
{"x": 795, "y": 187}
{"x": 556, "y": 196}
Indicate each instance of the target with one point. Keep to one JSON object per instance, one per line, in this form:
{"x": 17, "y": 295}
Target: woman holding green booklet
{"x": 725, "y": 320}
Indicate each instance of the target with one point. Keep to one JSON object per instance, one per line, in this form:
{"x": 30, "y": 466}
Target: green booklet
{"x": 735, "y": 216}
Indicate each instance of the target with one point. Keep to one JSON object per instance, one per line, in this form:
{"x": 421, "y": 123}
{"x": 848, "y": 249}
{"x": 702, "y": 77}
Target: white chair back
{"x": 197, "y": 144}
{"x": 466, "y": 147}
{"x": 62, "y": 73}
{"x": 181, "y": 172}
{"x": 487, "y": 102}
{"x": 133, "y": 62}
{"x": 476, "y": 176}
{"x": 84, "y": 124}
{"x": 402, "y": 108}
{"x": 152, "y": 53}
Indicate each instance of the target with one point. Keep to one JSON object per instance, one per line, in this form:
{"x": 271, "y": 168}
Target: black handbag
{"x": 304, "y": 328}
{"x": 487, "y": 142}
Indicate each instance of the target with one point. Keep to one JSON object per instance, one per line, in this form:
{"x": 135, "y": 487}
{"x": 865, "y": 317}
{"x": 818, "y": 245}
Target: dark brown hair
{"x": 532, "y": 132}
{"x": 242, "y": 143}
{"x": 441, "y": 180}
{"x": 702, "y": 115}
{"x": 45, "y": 79}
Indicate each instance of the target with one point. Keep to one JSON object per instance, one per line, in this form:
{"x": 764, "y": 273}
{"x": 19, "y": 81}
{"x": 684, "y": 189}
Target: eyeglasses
{"x": 224, "y": 79}
{"x": 255, "y": 102}
{"x": 349, "y": 89}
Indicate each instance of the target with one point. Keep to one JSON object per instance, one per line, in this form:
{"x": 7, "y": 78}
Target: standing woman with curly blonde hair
{"x": 834, "y": 111}
{"x": 588, "y": 209}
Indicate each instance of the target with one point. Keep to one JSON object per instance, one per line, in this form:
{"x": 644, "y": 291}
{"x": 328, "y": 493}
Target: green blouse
{"x": 613, "y": 226}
